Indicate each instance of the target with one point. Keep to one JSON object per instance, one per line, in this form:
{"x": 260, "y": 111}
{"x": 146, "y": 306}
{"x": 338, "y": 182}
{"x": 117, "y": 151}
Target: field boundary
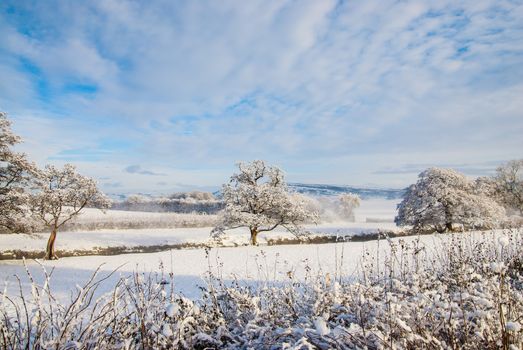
{"x": 19, "y": 254}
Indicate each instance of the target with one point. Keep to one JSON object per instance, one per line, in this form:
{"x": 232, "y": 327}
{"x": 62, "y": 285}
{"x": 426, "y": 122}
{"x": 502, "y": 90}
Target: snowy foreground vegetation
{"x": 465, "y": 291}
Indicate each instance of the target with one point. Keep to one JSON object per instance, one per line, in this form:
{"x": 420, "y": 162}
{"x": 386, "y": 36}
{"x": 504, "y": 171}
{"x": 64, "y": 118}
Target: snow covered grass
{"x": 455, "y": 291}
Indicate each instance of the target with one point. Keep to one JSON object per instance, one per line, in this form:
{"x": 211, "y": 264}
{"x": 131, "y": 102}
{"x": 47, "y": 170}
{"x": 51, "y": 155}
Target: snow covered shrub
{"x": 466, "y": 293}
{"x": 442, "y": 198}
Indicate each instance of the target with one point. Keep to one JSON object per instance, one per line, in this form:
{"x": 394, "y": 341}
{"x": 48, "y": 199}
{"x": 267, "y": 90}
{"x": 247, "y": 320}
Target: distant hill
{"x": 308, "y": 189}
{"x": 333, "y": 190}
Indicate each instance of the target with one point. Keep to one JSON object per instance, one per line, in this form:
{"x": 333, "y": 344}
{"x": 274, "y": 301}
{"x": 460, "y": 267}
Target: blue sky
{"x": 162, "y": 96}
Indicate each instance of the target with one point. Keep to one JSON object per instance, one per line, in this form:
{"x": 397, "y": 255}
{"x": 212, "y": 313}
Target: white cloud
{"x": 312, "y": 84}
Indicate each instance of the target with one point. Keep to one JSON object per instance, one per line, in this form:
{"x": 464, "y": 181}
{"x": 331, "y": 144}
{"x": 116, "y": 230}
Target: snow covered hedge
{"x": 180, "y": 202}
{"x": 468, "y": 293}
{"x": 124, "y": 220}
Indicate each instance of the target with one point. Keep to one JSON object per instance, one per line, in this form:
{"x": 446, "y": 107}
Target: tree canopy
{"x": 509, "y": 185}
{"x": 257, "y": 197}
{"x": 61, "y": 195}
{"x": 16, "y": 174}
{"x": 443, "y": 197}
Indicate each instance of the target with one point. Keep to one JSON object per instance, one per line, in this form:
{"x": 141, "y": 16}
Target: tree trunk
{"x": 49, "y": 253}
{"x": 254, "y": 234}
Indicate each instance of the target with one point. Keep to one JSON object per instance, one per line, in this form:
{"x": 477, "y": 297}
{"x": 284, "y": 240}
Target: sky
{"x": 163, "y": 96}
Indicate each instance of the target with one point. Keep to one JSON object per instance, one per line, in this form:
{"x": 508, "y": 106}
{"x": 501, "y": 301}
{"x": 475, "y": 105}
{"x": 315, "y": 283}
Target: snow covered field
{"x": 282, "y": 279}
{"x": 190, "y": 265}
{"x": 380, "y": 210}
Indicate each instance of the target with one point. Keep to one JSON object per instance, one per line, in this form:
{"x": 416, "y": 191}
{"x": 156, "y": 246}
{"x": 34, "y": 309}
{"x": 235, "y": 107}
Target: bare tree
{"x": 16, "y": 174}
{"x": 61, "y": 195}
{"x": 258, "y": 198}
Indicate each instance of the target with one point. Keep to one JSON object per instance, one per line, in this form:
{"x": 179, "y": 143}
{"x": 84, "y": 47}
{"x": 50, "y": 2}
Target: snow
{"x": 167, "y": 331}
{"x": 513, "y": 326}
{"x": 105, "y": 238}
{"x": 189, "y": 266}
{"x": 503, "y": 241}
{"x": 376, "y": 209}
{"x": 89, "y": 240}
{"x": 497, "y": 267}
{"x": 336, "y": 301}
{"x": 92, "y": 214}
{"x": 172, "y": 310}
{"x": 443, "y": 197}
{"x": 321, "y": 326}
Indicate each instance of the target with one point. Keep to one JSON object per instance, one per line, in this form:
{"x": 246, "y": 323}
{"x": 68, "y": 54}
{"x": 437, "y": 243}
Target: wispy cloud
{"x": 331, "y": 91}
{"x": 137, "y": 169}
{"x": 474, "y": 169}
{"x": 112, "y": 184}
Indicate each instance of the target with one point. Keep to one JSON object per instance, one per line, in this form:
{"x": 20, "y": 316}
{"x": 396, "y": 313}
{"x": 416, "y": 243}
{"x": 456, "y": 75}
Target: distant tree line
{"x": 180, "y": 202}
{"x": 329, "y": 208}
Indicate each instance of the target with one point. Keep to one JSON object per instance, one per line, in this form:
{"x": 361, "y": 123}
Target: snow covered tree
{"x": 347, "y": 202}
{"x": 61, "y": 195}
{"x": 509, "y": 184}
{"x": 443, "y": 197}
{"x": 16, "y": 174}
{"x": 487, "y": 186}
{"x": 258, "y": 198}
